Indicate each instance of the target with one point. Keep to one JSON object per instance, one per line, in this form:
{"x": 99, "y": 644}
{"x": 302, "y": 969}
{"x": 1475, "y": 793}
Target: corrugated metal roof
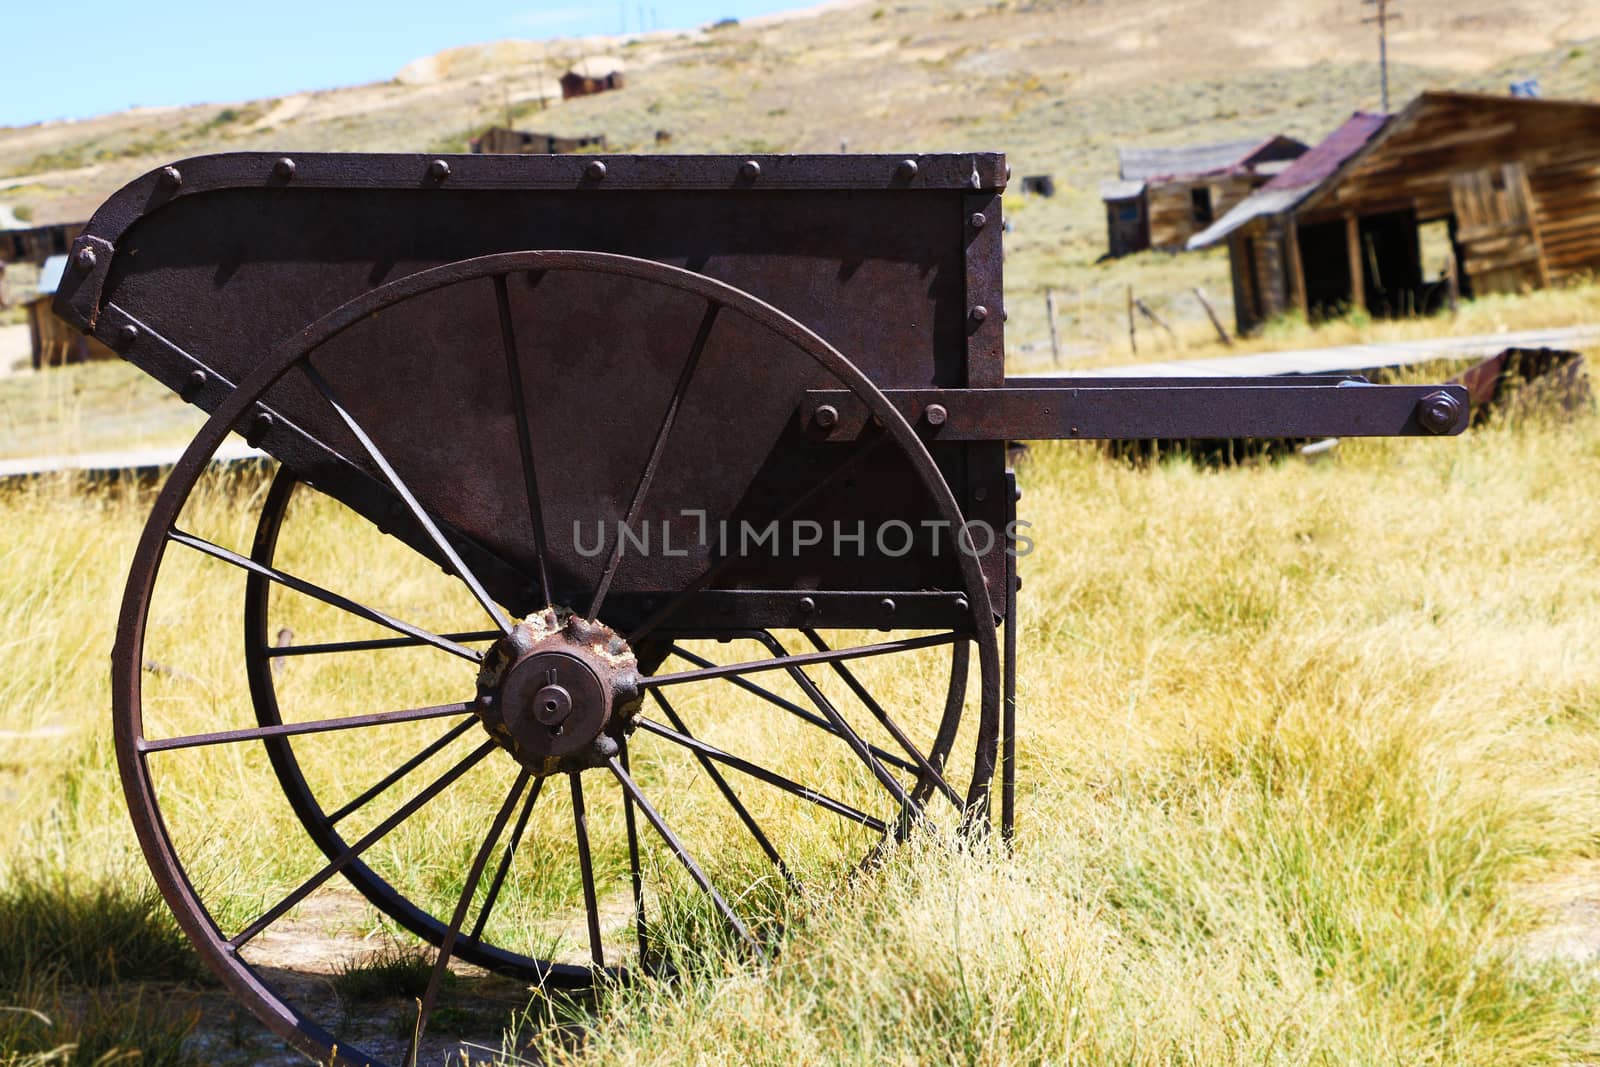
{"x": 1330, "y": 153}
{"x": 1299, "y": 180}
{"x": 1221, "y": 157}
{"x": 1142, "y": 164}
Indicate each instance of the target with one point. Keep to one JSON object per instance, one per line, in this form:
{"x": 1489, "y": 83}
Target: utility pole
{"x": 1382, "y": 19}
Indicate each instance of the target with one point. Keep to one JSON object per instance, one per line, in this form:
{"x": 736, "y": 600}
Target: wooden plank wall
{"x": 1497, "y": 230}
{"x": 1171, "y": 205}
{"x": 503, "y": 140}
{"x": 55, "y": 342}
{"x": 1257, "y": 253}
{"x": 1566, "y": 201}
{"x": 39, "y": 243}
{"x": 1442, "y": 135}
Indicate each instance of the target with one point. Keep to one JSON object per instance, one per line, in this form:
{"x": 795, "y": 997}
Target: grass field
{"x": 1309, "y": 750}
{"x": 1304, "y": 749}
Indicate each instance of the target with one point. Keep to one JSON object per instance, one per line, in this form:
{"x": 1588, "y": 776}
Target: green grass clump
{"x": 86, "y": 932}
{"x": 393, "y": 970}
{"x": 79, "y": 958}
{"x": 96, "y": 1030}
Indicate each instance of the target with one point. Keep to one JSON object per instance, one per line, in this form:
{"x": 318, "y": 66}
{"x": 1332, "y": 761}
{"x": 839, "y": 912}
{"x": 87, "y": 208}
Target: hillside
{"x": 1058, "y": 85}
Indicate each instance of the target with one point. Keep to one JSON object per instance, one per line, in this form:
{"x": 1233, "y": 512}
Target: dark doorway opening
{"x": 1391, "y": 264}
{"x": 1327, "y": 269}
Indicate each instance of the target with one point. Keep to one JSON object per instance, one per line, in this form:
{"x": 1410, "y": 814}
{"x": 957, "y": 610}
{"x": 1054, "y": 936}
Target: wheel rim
{"x": 134, "y": 750}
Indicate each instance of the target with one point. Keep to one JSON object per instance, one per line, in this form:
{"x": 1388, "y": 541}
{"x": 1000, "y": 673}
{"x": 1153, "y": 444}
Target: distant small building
{"x": 596, "y": 74}
{"x": 22, "y": 242}
{"x": 1038, "y": 185}
{"x": 54, "y": 341}
{"x": 506, "y": 141}
{"x": 1503, "y": 191}
{"x": 1164, "y": 196}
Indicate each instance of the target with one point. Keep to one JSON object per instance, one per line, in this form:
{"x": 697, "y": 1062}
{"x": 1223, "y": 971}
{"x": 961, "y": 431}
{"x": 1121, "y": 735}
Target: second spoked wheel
{"x": 500, "y": 662}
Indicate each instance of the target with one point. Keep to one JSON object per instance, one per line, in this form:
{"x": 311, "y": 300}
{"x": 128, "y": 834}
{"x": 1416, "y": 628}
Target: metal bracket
{"x": 1105, "y": 409}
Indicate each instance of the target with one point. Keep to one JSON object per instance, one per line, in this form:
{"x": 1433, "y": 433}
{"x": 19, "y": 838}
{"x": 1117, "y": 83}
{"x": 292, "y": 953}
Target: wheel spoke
{"x": 292, "y": 729}
{"x": 684, "y": 858}
{"x": 404, "y": 493}
{"x": 803, "y": 659}
{"x": 505, "y": 861}
{"x": 772, "y": 778}
{"x": 728, "y": 794}
{"x": 657, "y": 450}
{"x": 316, "y": 592}
{"x": 633, "y": 858}
{"x": 448, "y": 945}
{"x": 354, "y": 851}
{"x": 377, "y": 788}
{"x": 716, "y": 570}
{"x": 924, "y": 766}
{"x": 374, "y": 645}
{"x": 591, "y": 901}
{"x": 909, "y": 808}
{"x": 790, "y": 706}
{"x": 519, "y": 401}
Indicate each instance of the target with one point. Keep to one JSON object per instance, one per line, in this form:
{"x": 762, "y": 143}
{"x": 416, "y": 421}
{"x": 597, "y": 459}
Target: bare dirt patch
{"x": 301, "y": 956}
{"x": 1571, "y": 905}
{"x": 15, "y": 349}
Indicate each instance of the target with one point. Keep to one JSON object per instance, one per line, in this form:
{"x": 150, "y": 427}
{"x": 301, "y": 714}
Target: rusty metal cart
{"x": 786, "y": 370}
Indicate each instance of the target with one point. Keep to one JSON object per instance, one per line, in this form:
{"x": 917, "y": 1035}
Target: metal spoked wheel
{"x": 268, "y": 649}
{"x": 603, "y": 713}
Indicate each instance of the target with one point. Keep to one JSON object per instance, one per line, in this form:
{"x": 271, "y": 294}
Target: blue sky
{"x": 75, "y": 58}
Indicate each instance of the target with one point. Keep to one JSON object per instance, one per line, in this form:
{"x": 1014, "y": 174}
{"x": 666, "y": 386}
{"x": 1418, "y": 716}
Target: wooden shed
{"x": 54, "y": 340}
{"x": 36, "y": 243}
{"x": 596, "y": 74}
{"x": 1164, "y": 196}
{"x": 1503, "y": 191}
{"x": 504, "y": 140}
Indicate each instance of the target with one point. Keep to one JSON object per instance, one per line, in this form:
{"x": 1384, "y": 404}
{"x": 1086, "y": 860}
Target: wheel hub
{"x": 558, "y": 691}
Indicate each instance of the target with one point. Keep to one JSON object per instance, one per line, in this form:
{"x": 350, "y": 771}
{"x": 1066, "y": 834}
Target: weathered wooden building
{"x": 504, "y": 140}
{"x": 37, "y": 243}
{"x": 54, "y": 340}
{"x": 596, "y": 74}
{"x": 1502, "y": 191}
{"x": 1164, "y": 196}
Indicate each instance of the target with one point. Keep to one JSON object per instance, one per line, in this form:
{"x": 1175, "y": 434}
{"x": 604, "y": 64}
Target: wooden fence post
{"x": 1144, "y": 309}
{"x": 1133, "y": 337}
{"x": 1211, "y": 313}
{"x": 1050, "y": 313}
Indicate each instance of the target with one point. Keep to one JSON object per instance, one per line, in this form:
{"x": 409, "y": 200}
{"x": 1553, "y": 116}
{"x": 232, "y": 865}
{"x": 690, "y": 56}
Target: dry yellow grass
{"x": 1294, "y": 739}
{"x": 1573, "y": 305}
{"x": 1290, "y": 736}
